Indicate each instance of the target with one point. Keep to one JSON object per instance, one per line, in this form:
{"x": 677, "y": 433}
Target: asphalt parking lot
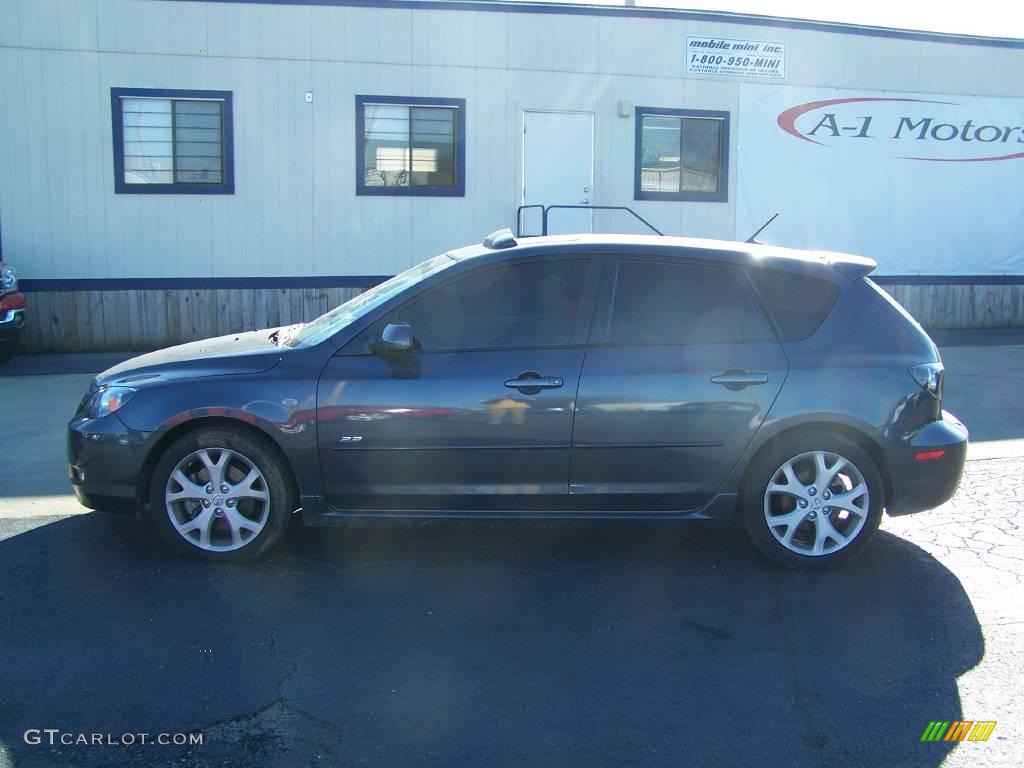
{"x": 533, "y": 645}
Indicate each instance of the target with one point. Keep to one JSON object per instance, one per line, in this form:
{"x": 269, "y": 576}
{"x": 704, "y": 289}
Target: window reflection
{"x": 172, "y": 141}
{"x": 680, "y": 154}
{"x": 409, "y": 146}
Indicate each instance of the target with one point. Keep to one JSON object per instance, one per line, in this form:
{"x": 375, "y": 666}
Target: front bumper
{"x": 105, "y": 462}
{"x": 919, "y": 484}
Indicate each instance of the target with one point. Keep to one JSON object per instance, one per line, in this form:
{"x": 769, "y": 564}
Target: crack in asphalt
{"x": 282, "y": 696}
{"x": 982, "y": 523}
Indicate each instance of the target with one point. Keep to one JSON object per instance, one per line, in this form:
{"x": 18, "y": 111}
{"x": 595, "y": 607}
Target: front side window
{"x": 172, "y": 141}
{"x": 654, "y": 303}
{"x": 682, "y": 155}
{"x": 411, "y": 146}
{"x": 338, "y": 318}
{"x": 525, "y": 304}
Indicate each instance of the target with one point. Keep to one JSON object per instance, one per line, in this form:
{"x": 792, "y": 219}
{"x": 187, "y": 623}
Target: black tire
{"x": 262, "y": 454}
{"x": 770, "y": 463}
{"x": 6, "y": 351}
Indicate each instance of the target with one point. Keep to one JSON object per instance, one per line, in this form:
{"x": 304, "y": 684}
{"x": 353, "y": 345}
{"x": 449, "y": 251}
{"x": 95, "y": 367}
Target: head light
{"x": 929, "y": 376}
{"x": 108, "y": 400}
{"x": 8, "y": 279}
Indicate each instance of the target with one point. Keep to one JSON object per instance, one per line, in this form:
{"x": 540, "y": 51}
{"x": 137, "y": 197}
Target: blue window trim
{"x": 459, "y": 190}
{"x": 721, "y": 196}
{"x": 227, "y": 187}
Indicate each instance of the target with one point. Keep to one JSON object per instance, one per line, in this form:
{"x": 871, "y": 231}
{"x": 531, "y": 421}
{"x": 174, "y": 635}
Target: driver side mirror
{"x": 396, "y": 337}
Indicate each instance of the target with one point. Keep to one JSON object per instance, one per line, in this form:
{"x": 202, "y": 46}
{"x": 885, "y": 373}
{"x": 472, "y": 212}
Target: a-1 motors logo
{"x": 908, "y": 129}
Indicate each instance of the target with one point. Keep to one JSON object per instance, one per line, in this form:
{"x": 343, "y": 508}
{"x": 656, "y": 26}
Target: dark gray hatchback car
{"x": 558, "y": 377}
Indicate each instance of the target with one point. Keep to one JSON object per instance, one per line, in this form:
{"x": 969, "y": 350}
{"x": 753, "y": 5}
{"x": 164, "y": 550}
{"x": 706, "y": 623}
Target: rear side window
{"x": 681, "y": 303}
{"x": 797, "y": 303}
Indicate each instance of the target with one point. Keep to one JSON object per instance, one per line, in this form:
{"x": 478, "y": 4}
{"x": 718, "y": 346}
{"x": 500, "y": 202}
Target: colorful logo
{"x": 958, "y": 730}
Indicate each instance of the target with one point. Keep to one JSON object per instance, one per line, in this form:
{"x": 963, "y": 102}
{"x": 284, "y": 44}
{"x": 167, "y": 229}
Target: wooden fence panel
{"x": 81, "y": 321}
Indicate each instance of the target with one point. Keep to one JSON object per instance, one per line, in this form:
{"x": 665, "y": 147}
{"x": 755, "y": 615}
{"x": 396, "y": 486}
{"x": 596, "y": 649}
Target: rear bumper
{"x": 920, "y": 482}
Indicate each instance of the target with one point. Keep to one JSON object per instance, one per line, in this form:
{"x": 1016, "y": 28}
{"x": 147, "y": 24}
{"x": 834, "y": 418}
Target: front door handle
{"x": 532, "y": 384}
{"x": 736, "y": 378}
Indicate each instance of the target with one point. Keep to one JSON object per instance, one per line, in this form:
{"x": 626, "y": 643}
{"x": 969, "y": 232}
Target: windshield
{"x": 331, "y": 322}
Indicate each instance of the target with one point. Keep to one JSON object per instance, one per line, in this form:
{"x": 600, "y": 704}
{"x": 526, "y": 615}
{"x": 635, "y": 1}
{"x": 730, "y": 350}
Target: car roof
{"x": 850, "y": 265}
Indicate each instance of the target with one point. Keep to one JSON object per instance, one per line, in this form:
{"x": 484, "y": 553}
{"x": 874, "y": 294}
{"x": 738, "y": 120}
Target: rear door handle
{"x": 531, "y": 386}
{"x": 735, "y": 378}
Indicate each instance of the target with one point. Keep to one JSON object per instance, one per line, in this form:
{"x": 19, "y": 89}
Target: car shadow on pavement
{"x": 467, "y": 644}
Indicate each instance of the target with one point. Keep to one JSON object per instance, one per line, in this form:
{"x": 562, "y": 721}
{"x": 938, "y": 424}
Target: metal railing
{"x": 546, "y": 210}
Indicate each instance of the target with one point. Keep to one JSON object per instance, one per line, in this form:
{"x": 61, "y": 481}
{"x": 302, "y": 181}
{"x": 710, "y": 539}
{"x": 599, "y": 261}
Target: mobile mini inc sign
{"x": 727, "y": 57}
{"x": 925, "y": 184}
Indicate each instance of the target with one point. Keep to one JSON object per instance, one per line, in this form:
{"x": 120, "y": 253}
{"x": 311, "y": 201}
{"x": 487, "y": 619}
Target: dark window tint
{"x": 529, "y": 304}
{"x": 797, "y": 303}
{"x": 198, "y": 142}
{"x": 661, "y": 303}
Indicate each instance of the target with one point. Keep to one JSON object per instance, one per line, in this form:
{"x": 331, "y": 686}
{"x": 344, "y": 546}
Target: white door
{"x": 558, "y": 169}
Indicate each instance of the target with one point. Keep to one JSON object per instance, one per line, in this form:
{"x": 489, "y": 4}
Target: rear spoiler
{"x": 849, "y": 266}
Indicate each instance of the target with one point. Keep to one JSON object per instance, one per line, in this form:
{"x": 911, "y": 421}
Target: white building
{"x": 172, "y": 169}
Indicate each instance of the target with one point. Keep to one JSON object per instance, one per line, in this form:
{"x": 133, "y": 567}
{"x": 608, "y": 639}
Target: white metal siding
{"x": 295, "y": 211}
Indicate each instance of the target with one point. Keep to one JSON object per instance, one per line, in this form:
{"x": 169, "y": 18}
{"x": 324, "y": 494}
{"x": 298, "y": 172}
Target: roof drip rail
{"x": 546, "y": 210}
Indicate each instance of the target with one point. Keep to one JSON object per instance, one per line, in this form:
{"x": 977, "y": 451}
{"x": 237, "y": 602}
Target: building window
{"x": 681, "y": 154}
{"x": 172, "y": 141}
{"x": 410, "y": 146}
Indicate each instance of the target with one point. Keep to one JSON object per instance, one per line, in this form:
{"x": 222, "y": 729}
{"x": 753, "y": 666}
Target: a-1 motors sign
{"x": 926, "y": 184}
{"x": 723, "y": 56}
{"x": 951, "y": 130}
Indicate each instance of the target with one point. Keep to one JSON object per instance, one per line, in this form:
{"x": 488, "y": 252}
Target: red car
{"x": 12, "y": 312}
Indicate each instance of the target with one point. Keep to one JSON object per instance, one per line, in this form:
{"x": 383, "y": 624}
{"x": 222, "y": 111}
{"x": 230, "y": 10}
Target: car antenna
{"x": 761, "y": 229}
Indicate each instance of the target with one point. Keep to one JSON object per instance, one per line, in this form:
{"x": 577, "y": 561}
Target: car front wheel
{"x": 812, "y": 500}
{"x": 221, "y": 495}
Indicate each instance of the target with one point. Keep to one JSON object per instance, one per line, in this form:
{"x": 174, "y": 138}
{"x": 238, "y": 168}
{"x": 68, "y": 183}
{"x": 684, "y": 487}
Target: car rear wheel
{"x": 221, "y": 495}
{"x": 812, "y": 500}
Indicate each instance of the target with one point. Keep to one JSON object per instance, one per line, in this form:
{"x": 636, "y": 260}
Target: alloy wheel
{"x": 816, "y": 503}
{"x": 217, "y": 499}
